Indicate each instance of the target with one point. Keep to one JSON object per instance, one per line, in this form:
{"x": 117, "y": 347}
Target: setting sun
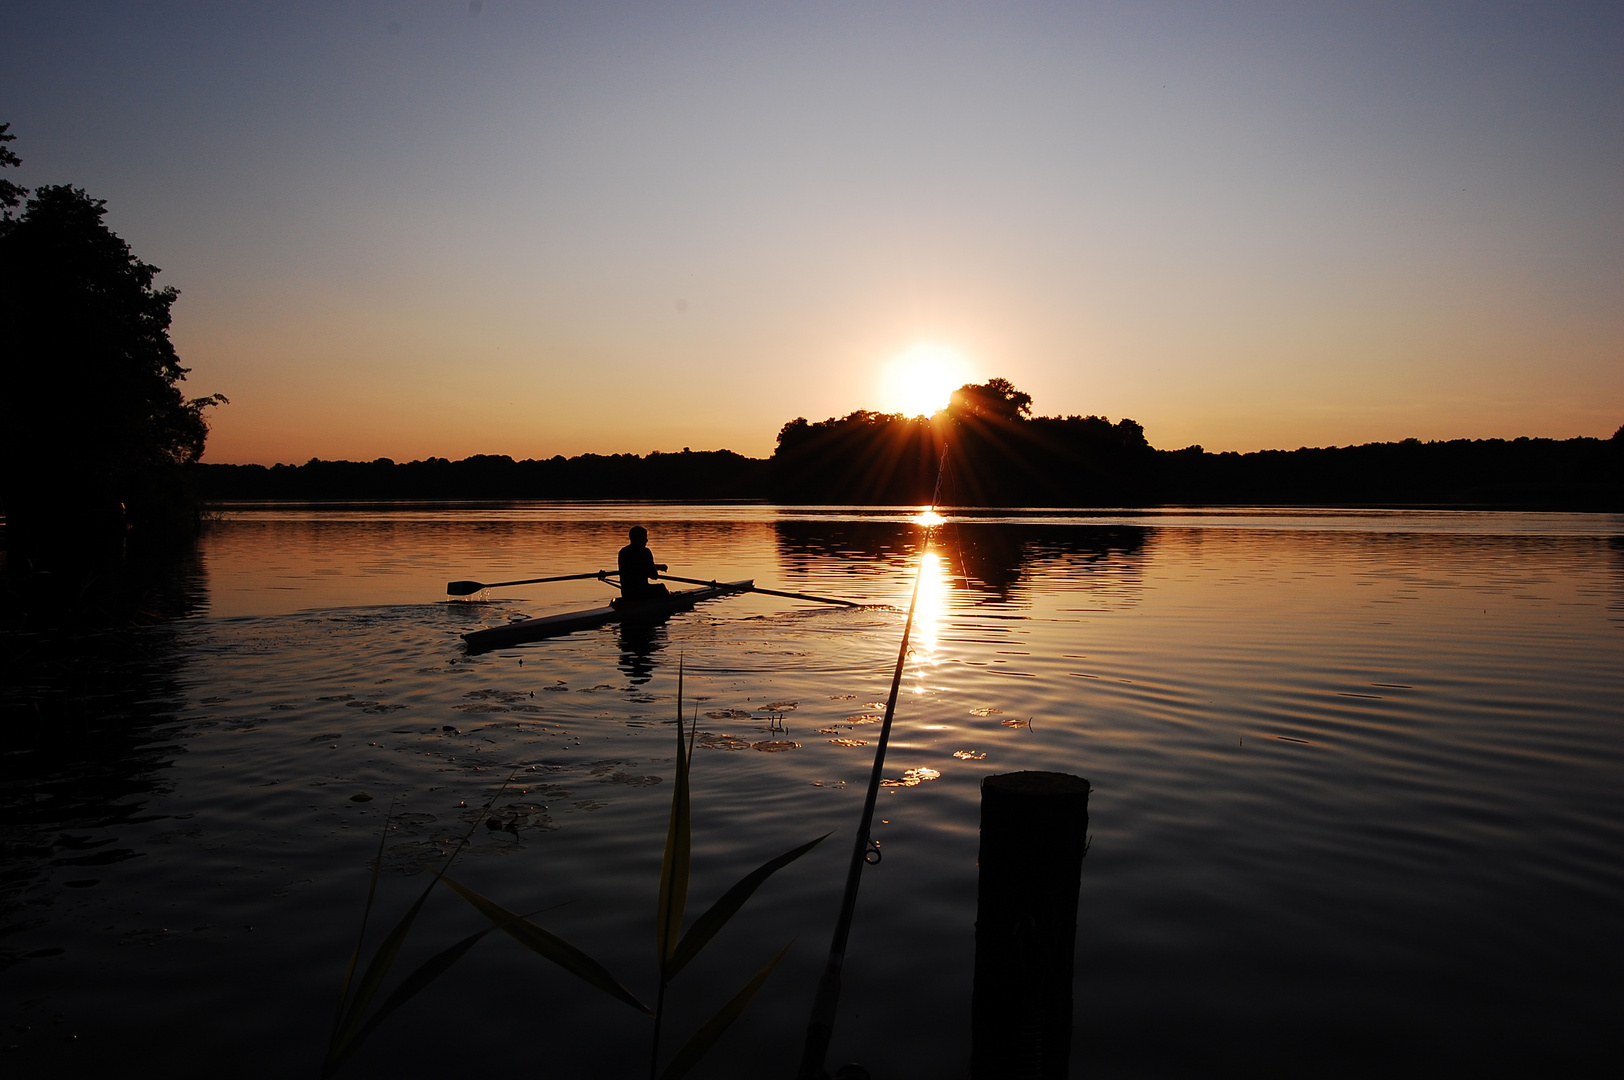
{"x": 920, "y": 381}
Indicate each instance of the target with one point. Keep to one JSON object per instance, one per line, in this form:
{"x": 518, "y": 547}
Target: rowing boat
{"x": 497, "y": 637}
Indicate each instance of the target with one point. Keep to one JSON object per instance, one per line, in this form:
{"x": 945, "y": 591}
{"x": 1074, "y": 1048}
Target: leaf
{"x": 427, "y": 972}
{"x": 384, "y": 958}
{"x": 703, "y": 1039}
{"x": 377, "y": 971}
{"x": 675, "y": 862}
{"x": 548, "y": 945}
{"x": 710, "y": 924}
{"x": 355, "y": 953}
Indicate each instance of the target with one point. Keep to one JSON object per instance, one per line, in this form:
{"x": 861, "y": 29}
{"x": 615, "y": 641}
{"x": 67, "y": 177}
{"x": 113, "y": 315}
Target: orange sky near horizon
{"x": 413, "y": 230}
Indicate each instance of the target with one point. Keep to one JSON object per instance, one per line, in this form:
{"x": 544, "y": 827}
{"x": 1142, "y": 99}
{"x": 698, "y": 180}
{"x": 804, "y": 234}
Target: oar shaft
{"x": 769, "y": 592}
{"x": 461, "y": 588}
{"x": 806, "y": 596}
{"x": 543, "y": 580}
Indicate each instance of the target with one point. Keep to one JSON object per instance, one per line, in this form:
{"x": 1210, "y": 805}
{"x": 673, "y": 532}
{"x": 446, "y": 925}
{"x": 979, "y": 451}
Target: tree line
{"x": 989, "y": 451}
{"x": 689, "y": 475}
{"x": 993, "y": 452}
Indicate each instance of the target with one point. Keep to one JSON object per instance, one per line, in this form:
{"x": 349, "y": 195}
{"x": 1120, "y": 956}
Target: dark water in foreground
{"x": 1359, "y": 791}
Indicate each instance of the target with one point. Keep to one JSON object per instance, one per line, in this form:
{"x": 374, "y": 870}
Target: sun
{"x": 919, "y": 382}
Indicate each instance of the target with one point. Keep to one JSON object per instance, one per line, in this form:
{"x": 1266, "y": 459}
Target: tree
{"x": 93, "y": 424}
{"x": 10, "y": 193}
{"x": 995, "y": 399}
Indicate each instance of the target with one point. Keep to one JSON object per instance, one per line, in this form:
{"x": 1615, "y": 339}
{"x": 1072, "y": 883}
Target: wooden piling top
{"x": 1036, "y": 785}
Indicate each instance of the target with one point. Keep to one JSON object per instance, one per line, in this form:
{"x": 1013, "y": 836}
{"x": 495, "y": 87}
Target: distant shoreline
{"x": 1581, "y": 474}
{"x": 878, "y": 509}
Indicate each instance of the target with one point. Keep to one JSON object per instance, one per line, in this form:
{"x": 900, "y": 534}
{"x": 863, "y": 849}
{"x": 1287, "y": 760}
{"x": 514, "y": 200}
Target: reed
{"x": 351, "y": 1024}
{"x": 674, "y": 949}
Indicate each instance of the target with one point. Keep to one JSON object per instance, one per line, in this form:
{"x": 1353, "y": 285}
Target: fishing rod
{"x": 820, "y": 1028}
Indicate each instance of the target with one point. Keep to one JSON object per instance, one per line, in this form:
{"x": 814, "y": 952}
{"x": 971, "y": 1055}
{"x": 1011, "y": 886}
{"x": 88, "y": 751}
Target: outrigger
{"x": 617, "y": 610}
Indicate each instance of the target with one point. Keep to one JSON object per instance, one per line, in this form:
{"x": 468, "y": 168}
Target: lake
{"x": 1358, "y": 789}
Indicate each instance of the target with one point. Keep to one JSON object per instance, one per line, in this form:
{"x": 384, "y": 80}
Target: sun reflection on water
{"x": 929, "y": 614}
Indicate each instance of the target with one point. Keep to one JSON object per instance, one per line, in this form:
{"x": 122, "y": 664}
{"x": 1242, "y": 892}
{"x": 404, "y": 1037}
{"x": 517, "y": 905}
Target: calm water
{"x": 1359, "y": 790}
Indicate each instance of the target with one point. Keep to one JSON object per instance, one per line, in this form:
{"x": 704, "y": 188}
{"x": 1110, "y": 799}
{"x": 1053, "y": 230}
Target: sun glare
{"x": 928, "y": 616}
{"x": 920, "y": 381}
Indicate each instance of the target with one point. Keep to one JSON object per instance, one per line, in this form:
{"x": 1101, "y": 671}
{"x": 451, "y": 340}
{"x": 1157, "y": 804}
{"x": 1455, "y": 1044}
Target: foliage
{"x": 1568, "y": 474}
{"x": 995, "y": 399}
{"x": 864, "y": 457}
{"x": 691, "y": 474}
{"x": 1000, "y": 455}
{"x": 93, "y": 424}
{"x": 997, "y": 455}
{"x": 11, "y": 193}
{"x": 352, "y": 1024}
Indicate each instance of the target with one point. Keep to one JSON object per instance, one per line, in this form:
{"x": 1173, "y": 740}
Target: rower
{"x": 637, "y": 567}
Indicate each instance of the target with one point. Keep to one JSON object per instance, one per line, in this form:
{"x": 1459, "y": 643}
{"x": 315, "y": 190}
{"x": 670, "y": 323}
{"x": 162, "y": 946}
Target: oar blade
{"x": 463, "y": 588}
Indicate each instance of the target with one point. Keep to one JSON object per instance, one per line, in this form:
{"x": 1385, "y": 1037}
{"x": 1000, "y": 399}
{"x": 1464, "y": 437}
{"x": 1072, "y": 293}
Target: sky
{"x": 442, "y": 229}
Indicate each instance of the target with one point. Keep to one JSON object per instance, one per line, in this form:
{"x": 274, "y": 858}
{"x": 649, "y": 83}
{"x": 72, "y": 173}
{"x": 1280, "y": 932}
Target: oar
{"x": 463, "y": 588}
{"x": 759, "y": 589}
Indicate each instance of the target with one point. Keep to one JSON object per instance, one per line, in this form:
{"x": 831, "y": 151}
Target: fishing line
{"x": 820, "y": 1028}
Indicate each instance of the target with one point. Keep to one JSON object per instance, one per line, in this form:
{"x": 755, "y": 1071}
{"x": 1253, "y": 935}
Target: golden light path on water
{"x": 929, "y": 613}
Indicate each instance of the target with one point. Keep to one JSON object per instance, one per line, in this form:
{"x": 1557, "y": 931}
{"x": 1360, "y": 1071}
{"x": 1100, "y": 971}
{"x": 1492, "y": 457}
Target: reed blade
{"x": 378, "y": 970}
{"x": 703, "y": 1039}
{"x": 418, "y": 980}
{"x": 674, "y": 864}
{"x": 360, "y": 938}
{"x": 548, "y": 945}
{"x": 710, "y": 924}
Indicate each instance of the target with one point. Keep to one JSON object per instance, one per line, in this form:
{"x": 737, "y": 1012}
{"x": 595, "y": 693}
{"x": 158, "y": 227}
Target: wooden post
{"x": 1034, "y": 833}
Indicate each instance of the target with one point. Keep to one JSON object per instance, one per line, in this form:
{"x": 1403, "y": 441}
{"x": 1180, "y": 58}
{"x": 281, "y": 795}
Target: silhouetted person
{"x": 637, "y": 567}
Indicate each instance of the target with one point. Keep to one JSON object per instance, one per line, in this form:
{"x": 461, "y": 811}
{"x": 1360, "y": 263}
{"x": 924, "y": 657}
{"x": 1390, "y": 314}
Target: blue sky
{"x": 415, "y": 229}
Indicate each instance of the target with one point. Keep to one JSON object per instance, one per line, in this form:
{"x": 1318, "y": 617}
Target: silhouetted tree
{"x": 94, "y": 428}
{"x": 698, "y": 475}
{"x": 997, "y": 455}
{"x": 995, "y": 398}
{"x": 11, "y": 193}
{"x": 863, "y": 457}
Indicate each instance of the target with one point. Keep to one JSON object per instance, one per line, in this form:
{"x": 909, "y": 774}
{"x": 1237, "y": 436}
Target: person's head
{"x": 638, "y": 535}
